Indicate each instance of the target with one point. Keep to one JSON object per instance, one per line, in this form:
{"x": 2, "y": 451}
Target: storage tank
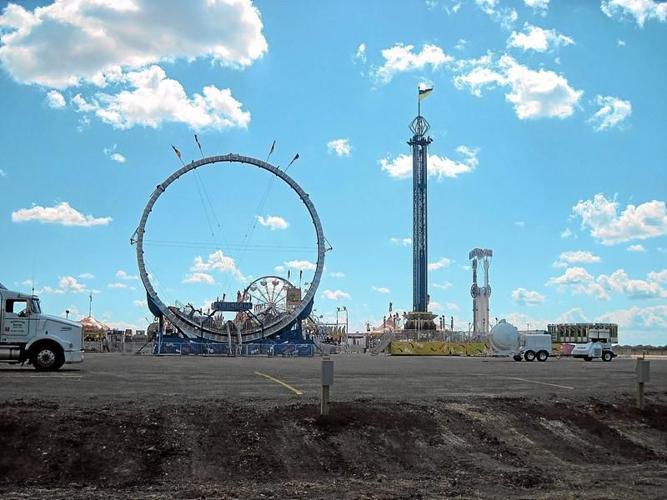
{"x": 504, "y": 338}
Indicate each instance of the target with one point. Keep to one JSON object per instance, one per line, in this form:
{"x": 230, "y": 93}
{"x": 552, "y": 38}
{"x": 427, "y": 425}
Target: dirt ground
{"x": 480, "y": 447}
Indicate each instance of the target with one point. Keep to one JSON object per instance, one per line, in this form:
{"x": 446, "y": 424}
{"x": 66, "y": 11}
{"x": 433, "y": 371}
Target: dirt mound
{"x": 486, "y": 447}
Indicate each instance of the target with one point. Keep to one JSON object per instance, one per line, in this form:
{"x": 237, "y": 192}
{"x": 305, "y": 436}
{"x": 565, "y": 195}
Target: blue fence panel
{"x": 220, "y": 349}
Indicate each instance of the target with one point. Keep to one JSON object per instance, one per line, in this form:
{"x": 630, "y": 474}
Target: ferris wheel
{"x": 277, "y": 303}
{"x": 271, "y": 297}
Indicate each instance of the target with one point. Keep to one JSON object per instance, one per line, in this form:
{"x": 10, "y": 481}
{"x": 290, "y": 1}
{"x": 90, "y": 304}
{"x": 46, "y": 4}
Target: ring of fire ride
{"x": 273, "y": 324}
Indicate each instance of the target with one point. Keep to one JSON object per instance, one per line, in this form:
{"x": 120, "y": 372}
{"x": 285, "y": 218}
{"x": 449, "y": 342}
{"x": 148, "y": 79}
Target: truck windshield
{"x": 35, "y": 307}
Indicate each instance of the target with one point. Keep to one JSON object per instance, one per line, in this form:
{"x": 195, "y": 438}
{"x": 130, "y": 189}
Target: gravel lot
{"x": 130, "y": 426}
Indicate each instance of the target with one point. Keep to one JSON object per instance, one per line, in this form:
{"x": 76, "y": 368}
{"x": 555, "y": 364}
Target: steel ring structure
{"x": 187, "y": 326}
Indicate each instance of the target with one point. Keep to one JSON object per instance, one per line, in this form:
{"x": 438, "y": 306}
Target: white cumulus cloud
{"x": 640, "y": 10}
{"x": 360, "y": 54}
{"x": 405, "y": 242}
{"x": 154, "y": 99}
{"x": 612, "y": 113}
{"x": 301, "y": 265}
{"x": 339, "y": 147}
{"x": 580, "y": 281}
{"x": 380, "y": 289}
{"x": 273, "y": 222}
{"x": 533, "y": 93}
{"x": 636, "y": 248}
{"x": 402, "y": 58}
{"x": 576, "y": 257}
{"x": 114, "y": 155}
{"x": 438, "y": 166}
{"x": 199, "y": 278}
{"x": 216, "y": 261}
{"x": 54, "y": 99}
{"x": 335, "y": 295}
{"x": 70, "y": 284}
{"x": 120, "y": 274}
{"x": 62, "y": 214}
{"x": 439, "y": 264}
{"x": 118, "y": 285}
{"x": 525, "y": 297}
{"x": 101, "y": 37}
{"x": 540, "y": 5}
{"x": 538, "y": 39}
{"x": 538, "y": 94}
{"x": 635, "y": 222}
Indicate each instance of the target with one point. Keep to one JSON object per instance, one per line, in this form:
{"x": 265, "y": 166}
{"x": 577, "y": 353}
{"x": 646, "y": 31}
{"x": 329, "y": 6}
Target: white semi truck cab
{"x": 27, "y": 335}
{"x": 597, "y": 347}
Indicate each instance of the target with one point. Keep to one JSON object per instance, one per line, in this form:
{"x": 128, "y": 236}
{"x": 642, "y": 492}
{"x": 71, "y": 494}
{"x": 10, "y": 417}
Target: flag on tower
{"x": 424, "y": 92}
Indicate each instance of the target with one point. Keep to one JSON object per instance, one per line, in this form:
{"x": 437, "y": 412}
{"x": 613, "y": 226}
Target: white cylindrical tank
{"x": 504, "y": 337}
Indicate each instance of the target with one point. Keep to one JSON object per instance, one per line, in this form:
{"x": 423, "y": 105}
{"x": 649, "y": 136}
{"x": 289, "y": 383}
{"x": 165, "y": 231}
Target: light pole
{"x": 347, "y": 323}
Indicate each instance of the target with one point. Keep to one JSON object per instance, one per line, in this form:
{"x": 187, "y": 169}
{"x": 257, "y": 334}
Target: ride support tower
{"x": 480, "y": 294}
{"x": 420, "y": 318}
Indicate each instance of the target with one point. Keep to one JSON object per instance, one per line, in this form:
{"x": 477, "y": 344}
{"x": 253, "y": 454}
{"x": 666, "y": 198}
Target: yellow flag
{"x": 424, "y": 92}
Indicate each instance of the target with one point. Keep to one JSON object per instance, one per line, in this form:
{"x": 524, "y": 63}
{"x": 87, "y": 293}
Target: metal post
{"x": 327, "y": 381}
{"x": 161, "y": 328}
{"x": 642, "y": 370}
{"x": 347, "y": 324}
{"x": 229, "y": 339}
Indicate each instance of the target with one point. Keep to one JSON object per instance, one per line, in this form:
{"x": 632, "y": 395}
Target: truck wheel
{"x": 606, "y": 356}
{"x": 47, "y": 357}
{"x": 542, "y": 356}
{"x": 529, "y": 356}
{"x": 516, "y": 357}
{"x": 588, "y": 358}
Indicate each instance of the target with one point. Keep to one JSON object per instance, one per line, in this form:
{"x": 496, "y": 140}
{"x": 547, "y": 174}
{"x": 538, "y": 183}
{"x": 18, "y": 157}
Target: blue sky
{"x": 548, "y": 126}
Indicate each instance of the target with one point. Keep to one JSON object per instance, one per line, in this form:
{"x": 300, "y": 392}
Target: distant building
{"x": 580, "y": 333}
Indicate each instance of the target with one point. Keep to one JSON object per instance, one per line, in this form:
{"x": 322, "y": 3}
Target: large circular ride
{"x": 273, "y": 317}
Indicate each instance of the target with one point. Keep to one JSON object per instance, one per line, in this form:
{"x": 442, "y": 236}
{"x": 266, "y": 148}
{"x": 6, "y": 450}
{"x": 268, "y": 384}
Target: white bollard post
{"x": 327, "y": 382}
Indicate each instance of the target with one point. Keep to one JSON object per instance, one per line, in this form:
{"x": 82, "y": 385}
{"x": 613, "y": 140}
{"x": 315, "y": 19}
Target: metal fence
{"x": 219, "y": 349}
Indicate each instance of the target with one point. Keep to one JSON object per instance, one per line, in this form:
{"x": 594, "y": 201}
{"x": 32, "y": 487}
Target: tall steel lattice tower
{"x": 419, "y": 144}
{"x": 480, "y": 294}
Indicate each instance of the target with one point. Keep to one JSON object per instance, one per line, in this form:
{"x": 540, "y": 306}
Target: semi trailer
{"x": 29, "y": 336}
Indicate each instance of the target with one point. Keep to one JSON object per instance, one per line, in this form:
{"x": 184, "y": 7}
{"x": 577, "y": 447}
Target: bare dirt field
{"x": 137, "y": 427}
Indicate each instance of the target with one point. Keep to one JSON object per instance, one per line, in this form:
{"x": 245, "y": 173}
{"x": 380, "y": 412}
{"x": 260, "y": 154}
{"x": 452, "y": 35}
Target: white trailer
{"x": 506, "y": 340}
{"x": 533, "y": 346}
{"x": 27, "y": 335}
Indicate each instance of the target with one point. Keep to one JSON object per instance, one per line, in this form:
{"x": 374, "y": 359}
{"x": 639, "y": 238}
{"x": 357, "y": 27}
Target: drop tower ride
{"x": 420, "y": 318}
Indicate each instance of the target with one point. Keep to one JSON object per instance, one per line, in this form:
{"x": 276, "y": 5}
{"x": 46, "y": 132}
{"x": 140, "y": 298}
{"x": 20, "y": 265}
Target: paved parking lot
{"x": 115, "y": 377}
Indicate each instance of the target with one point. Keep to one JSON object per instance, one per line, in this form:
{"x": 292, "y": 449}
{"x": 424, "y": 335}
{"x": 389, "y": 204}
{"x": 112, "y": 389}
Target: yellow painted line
{"x": 293, "y": 389}
{"x": 538, "y": 382}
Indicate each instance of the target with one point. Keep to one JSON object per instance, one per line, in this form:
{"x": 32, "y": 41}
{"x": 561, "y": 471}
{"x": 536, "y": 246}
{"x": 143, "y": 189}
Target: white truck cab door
{"x": 15, "y": 321}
